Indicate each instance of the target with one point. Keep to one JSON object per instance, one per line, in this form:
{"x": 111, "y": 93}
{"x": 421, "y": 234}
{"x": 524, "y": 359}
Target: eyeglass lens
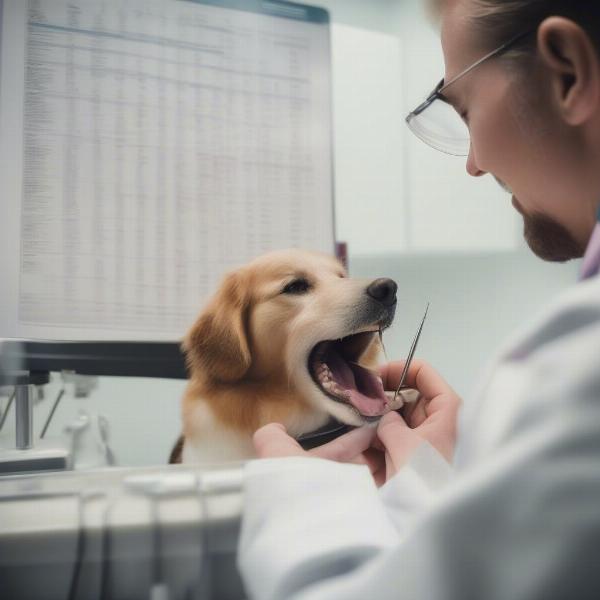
{"x": 440, "y": 126}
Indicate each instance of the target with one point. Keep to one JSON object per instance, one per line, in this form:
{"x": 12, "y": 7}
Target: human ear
{"x": 572, "y": 61}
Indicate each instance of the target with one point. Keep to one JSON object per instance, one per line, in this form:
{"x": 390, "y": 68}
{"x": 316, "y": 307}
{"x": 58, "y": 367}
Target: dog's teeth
{"x": 334, "y": 388}
{"x": 394, "y": 404}
{"x": 324, "y": 373}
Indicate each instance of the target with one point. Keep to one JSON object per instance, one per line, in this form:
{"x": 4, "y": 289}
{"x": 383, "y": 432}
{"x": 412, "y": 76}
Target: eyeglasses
{"x": 437, "y": 123}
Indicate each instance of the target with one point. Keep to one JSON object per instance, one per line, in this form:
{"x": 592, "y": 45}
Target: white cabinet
{"x": 394, "y": 194}
{"x": 368, "y": 149}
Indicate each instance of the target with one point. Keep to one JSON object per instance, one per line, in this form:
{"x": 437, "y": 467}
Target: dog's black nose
{"x": 383, "y": 290}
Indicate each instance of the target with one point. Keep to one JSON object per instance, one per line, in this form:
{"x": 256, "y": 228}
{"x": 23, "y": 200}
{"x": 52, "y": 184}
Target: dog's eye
{"x": 298, "y": 286}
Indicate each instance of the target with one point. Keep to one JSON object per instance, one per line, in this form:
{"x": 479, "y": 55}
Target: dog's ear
{"x": 217, "y": 345}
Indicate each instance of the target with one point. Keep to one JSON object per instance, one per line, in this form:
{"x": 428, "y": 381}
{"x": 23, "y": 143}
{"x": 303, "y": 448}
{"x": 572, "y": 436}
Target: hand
{"x": 272, "y": 441}
{"x": 356, "y": 446}
{"x": 386, "y": 448}
{"x": 433, "y": 417}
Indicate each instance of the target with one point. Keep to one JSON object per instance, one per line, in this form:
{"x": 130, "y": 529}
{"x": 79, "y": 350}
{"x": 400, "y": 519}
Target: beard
{"x": 548, "y": 239}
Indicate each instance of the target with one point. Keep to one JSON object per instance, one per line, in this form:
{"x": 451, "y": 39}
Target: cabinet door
{"x": 448, "y": 209}
{"x": 393, "y": 193}
{"x": 368, "y": 130}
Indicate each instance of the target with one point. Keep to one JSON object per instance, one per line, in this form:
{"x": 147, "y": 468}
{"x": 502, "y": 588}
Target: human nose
{"x": 472, "y": 168}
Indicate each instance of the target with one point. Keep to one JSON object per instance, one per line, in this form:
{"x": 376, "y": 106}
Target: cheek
{"x": 268, "y": 327}
{"x": 495, "y": 136}
{"x": 520, "y": 145}
{"x": 506, "y": 145}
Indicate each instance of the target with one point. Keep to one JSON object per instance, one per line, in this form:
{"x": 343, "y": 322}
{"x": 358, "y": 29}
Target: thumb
{"x": 391, "y": 424}
{"x": 397, "y": 437}
{"x": 272, "y": 441}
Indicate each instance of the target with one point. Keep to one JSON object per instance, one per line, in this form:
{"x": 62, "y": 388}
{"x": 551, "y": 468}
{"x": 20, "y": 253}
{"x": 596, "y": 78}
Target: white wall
{"x": 477, "y": 301}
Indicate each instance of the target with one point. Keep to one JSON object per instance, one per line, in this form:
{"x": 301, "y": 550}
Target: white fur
{"x": 217, "y": 443}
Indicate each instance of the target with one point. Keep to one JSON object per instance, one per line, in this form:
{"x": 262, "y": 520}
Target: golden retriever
{"x": 287, "y": 338}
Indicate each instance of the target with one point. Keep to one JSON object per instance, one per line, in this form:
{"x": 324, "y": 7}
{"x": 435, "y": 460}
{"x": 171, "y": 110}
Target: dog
{"x": 287, "y": 338}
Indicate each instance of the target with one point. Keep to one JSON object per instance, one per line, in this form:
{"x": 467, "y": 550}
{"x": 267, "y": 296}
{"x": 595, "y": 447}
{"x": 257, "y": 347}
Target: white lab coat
{"x": 518, "y": 519}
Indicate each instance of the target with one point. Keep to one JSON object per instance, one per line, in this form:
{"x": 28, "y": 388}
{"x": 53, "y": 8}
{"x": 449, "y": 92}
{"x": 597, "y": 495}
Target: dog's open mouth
{"x": 334, "y": 368}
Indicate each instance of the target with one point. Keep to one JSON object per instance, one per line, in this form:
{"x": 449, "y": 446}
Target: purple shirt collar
{"x": 591, "y": 261}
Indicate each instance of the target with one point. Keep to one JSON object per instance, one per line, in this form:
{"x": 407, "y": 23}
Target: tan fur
{"x": 248, "y": 350}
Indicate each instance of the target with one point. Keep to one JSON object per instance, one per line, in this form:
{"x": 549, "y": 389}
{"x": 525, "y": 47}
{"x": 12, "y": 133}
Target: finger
{"x": 347, "y": 446}
{"x": 421, "y": 376}
{"x": 375, "y": 460}
{"x": 376, "y": 443}
{"x": 416, "y": 413}
{"x": 448, "y": 403}
{"x": 390, "y": 422}
{"x": 272, "y": 441}
{"x": 398, "y": 438}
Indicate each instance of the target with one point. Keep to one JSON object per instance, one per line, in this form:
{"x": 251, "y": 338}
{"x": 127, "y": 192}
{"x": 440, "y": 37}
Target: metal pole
{"x": 24, "y": 417}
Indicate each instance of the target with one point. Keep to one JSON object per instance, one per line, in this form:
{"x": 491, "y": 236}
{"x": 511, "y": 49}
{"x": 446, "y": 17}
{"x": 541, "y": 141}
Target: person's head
{"x": 533, "y": 111}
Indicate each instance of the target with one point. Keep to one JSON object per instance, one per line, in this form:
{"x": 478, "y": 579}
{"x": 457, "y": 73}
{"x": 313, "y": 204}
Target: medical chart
{"x": 147, "y": 147}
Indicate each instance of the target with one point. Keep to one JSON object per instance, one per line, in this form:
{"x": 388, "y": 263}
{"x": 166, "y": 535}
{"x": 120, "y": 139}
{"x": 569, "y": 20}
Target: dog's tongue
{"x": 363, "y": 388}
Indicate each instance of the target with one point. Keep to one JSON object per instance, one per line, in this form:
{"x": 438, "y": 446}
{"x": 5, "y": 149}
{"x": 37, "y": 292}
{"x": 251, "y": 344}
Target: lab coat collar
{"x": 591, "y": 259}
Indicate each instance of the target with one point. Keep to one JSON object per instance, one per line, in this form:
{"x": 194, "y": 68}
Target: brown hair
{"x": 500, "y": 20}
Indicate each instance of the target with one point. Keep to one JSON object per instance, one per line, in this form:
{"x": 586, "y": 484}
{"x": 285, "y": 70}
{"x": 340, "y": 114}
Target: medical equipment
{"x": 411, "y": 353}
{"x": 158, "y": 533}
{"x": 24, "y": 363}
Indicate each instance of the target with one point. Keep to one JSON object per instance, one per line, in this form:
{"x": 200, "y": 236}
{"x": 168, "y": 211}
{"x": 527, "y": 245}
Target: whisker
{"x": 382, "y": 344}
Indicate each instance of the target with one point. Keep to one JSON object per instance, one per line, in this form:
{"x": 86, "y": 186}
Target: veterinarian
{"x": 518, "y": 515}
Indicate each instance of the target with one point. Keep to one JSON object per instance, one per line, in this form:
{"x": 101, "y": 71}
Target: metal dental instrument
{"x": 411, "y": 353}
